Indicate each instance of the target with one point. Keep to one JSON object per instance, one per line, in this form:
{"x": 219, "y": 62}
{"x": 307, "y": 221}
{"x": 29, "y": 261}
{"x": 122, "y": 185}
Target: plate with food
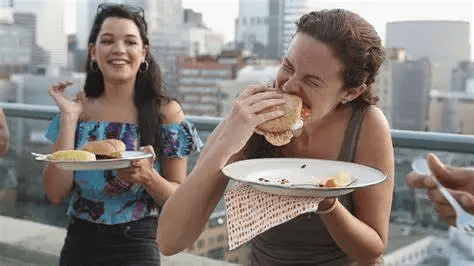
{"x": 95, "y": 155}
{"x": 303, "y": 177}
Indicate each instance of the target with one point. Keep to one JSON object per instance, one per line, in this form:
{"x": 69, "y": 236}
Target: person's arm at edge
{"x": 4, "y": 134}
{"x": 364, "y": 236}
{"x": 57, "y": 182}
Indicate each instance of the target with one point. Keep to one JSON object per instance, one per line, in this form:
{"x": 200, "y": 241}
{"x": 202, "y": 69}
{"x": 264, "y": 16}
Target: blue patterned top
{"x": 102, "y": 196}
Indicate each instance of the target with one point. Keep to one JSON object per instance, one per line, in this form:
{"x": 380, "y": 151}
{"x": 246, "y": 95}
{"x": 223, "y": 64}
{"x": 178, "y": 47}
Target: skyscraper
{"x": 251, "y": 27}
{"x": 50, "y": 33}
{"x": 293, "y": 9}
{"x": 445, "y": 43}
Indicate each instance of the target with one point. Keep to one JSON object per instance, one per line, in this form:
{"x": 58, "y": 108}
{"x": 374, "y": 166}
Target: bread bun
{"x": 105, "y": 149}
{"x": 278, "y": 131}
{"x": 292, "y": 113}
{"x": 73, "y": 155}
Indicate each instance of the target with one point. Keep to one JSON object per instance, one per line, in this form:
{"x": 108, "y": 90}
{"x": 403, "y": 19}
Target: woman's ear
{"x": 353, "y": 93}
{"x": 146, "y": 51}
{"x": 92, "y": 51}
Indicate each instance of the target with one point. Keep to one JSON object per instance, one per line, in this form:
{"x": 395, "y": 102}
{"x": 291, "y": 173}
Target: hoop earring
{"x": 92, "y": 66}
{"x": 146, "y": 67}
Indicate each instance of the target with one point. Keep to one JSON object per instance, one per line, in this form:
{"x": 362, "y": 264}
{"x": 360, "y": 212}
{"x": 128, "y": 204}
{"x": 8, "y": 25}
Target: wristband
{"x": 330, "y": 209}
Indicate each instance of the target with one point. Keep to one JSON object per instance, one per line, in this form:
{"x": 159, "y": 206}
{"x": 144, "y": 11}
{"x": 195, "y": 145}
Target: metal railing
{"x": 401, "y": 138}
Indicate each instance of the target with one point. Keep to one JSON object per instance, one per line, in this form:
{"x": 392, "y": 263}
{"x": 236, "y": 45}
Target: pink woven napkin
{"x": 251, "y": 212}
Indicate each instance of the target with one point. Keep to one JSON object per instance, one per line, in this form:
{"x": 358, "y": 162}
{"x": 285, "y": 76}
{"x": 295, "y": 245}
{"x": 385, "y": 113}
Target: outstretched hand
{"x": 457, "y": 180}
{"x": 67, "y": 107}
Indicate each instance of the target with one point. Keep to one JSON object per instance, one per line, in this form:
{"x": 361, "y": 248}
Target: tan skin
{"x": 4, "y": 134}
{"x": 457, "y": 180}
{"x": 314, "y": 73}
{"x": 119, "y": 51}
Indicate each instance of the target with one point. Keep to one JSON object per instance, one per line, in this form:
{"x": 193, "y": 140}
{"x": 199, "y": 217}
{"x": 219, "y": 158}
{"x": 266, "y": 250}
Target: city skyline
{"x": 220, "y": 15}
{"x": 217, "y": 14}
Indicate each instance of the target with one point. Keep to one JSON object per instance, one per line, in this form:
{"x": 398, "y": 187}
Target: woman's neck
{"x": 120, "y": 94}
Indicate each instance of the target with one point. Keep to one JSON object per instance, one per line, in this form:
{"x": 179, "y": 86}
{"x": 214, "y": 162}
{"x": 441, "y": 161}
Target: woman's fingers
{"x": 255, "y": 89}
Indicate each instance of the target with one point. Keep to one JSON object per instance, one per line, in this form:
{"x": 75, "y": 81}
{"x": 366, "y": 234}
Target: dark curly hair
{"x": 149, "y": 94}
{"x": 354, "y": 41}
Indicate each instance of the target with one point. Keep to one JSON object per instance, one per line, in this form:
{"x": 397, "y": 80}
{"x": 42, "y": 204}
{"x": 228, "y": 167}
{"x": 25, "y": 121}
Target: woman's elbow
{"x": 374, "y": 257}
{"x": 168, "y": 248}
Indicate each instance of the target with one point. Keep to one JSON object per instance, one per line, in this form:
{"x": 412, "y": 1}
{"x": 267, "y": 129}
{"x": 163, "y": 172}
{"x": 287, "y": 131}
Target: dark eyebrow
{"x": 110, "y": 34}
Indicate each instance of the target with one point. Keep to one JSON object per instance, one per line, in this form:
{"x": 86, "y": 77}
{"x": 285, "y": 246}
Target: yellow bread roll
{"x": 73, "y": 155}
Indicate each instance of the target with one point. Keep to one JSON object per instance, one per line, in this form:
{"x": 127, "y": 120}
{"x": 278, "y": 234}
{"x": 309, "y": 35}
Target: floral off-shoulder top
{"x": 102, "y": 196}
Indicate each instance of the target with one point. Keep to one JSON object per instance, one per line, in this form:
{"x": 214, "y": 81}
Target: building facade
{"x": 410, "y": 89}
{"x": 50, "y": 32}
{"x": 197, "y": 79}
{"x": 451, "y": 112}
{"x": 383, "y": 81}
{"x": 462, "y": 77}
{"x": 445, "y": 43}
{"x": 251, "y": 26}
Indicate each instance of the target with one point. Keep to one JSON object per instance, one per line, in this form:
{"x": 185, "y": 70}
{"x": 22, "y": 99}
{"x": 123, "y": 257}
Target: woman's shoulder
{"x": 375, "y": 119}
{"x": 172, "y": 112}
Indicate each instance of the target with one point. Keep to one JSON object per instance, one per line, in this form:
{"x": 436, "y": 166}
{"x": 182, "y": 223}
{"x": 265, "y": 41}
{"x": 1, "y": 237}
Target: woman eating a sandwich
{"x": 114, "y": 212}
{"x": 331, "y": 65}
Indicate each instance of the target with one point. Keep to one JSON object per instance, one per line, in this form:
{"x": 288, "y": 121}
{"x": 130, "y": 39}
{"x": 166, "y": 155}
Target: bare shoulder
{"x": 172, "y": 112}
{"x": 375, "y": 122}
{"x": 375, "y": 142}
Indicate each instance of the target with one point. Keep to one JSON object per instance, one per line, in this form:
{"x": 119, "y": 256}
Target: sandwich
{"x": 279, "y": 131}
{"x": 105, "y": 149}
{"x": 72, "y": 155}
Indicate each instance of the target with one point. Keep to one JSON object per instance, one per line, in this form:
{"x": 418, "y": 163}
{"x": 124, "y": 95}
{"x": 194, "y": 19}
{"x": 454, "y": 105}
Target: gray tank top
{"x": 305, "y": 240}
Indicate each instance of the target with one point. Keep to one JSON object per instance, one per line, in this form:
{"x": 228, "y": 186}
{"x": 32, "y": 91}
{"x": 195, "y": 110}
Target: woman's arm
{"x": 187, "y": 211}
{"x": 160, "y": 187}
{"x": 57, "y": 182}
{"x": 364, "y": 236}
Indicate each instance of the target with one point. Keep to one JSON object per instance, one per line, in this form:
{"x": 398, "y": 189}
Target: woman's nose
{"x": 290, "y": 86}
{"x": 119, "y": 47}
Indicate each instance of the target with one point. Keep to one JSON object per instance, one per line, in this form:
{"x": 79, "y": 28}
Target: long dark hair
{"x": 149, "y": 94}
{"x": 355, "y": 42}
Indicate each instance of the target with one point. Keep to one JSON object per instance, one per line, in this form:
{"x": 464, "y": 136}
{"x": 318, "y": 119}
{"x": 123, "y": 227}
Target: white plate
{"x": 301, "y": 173}
{"x": 105, "y": 164}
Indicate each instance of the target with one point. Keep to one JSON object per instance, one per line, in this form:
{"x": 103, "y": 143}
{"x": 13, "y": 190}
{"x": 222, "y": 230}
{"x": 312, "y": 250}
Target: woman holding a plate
{"x": 114, "y": 212}
{"x": 331, "y": 64}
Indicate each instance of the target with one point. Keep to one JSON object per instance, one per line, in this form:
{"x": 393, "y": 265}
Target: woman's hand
{"x": 69, "y": 108}
{"x": 245, "y": 116}
{"x": 140, "y": 171}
